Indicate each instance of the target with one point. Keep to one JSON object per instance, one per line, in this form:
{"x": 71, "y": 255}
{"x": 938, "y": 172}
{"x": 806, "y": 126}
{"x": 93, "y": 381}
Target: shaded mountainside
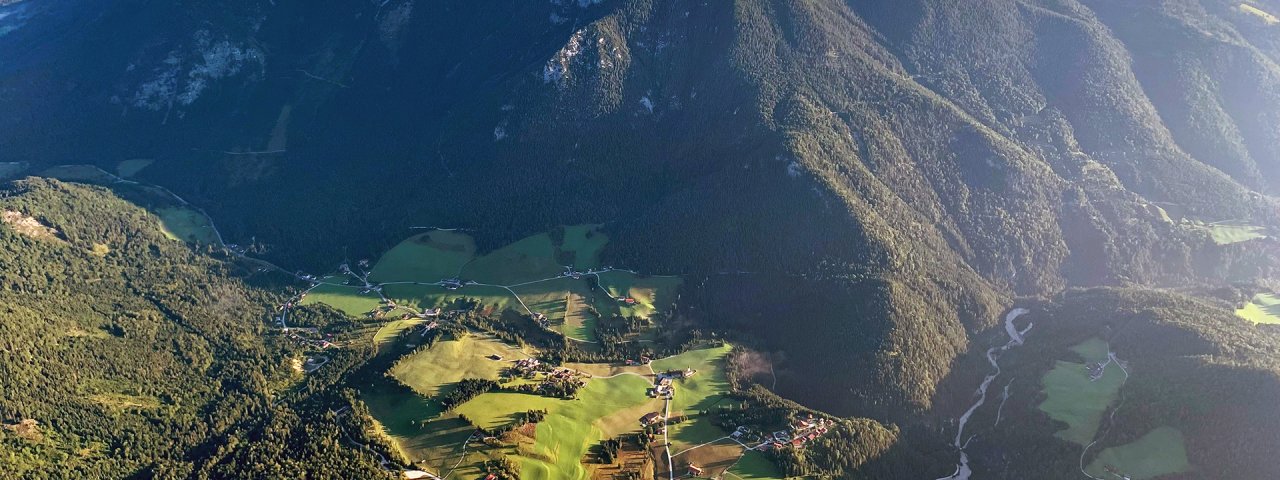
{"x": 1191, "y": 365}
{"x": 891, "y": 172}
{"x": 125, "y": 354}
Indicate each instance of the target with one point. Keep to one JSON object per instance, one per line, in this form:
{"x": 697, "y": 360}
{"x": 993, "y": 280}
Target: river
{"x": 993, "y": 356}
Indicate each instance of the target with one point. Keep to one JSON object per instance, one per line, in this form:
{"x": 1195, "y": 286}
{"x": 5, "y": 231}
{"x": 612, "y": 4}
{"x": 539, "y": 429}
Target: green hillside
{"x": 126, "y": 354}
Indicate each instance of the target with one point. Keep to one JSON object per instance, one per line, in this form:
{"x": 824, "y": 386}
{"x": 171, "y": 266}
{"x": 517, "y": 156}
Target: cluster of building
{"x": 797, "y": 435}
{"x": 651, "y": 418}
{"x": 305, "y": 335}
{"x": 525, "y": 366}
{"x": 663, "y": 386}
{"x": 663, "y": 389}
{"x": 1096, "y": 370}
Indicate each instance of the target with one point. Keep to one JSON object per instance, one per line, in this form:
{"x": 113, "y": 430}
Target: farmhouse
{"x": 694, "y": 471}
{"x": 650, "y": 418}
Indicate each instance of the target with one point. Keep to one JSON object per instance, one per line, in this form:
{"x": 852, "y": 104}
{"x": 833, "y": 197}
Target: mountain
{"x": 863, "y": 186}
{"x": 126, "y": 354}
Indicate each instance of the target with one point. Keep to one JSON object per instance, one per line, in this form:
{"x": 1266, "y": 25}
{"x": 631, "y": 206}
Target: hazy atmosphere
{"x": 640, "y": 239}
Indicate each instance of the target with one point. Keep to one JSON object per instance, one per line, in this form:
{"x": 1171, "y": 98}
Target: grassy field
{"x": 707, "y": 387}
{"x": 78, "y": 173}
{"x": 651, "y": 293}
{"x": 12, "y": 169}
{"x": 529, "y": 259}
{"x": 129, "y": 168}
{"x": 429, "y": 371}
{"x": 605, "y": 408}
{"x": 583, "y": 244}
{"x": 1265, "y": 308}
{"x": 1074, "y": 399}
{"x": 1159, "y": 452}
{"x": 1263, "y": 15}
{"x": 754, "y": 466}
{"x": 571, "y": 426}
{"x": 432, "y": 296}
{"x": 1224, "y": 233}
{"x": 345, "y": 298}
{"x": 530, "y": 267}
{"x": 714, "y": 459}
{"x": 180, "y": 223}
{"x": 431, "y": 441}
{"x": 428, "y": 257}
{"x": 386, "y": 335}
{"x": 567, "y": 304}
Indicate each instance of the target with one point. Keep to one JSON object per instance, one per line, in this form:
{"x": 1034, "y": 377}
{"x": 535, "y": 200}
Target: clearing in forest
{"x": 648, "y": 293}
{"x": 430, "y": 371}
{"x": 427, "y": 257}
{"x": 349, "y": 299}
{"x": 529, "y": 259}
{"x": 1158, "y": 453}
{"x": 582, "y": 245}
{"x": 131, "y": 167}
{"x": 754, "y": 466}
{"x": 1074, "y": 398}
{"x": 570, "y": 428}
{"x": 78, "y": 173}
{"x": 1261, "y": 14}
{"x": 541, "y": 274}
{"x": 185, "y": 224}
{"x": 1264, "y": 308}
{"x": 12, "y": 169}
{"x": 1226, "y": 233}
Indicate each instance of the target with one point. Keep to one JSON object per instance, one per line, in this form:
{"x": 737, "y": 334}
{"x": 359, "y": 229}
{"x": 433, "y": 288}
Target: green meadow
{"x": 429, "y": 371}
{"x": 434, "y": 296}
{"x": 1073, "y": 399}
{"x": 427, "y": 257}
{"x": 701, "y": 392}
{"x": 530, "y": 269}
{"x": 78, "y": 173}
{"x": 1264, "y": 308}
{"x": 524, "y": 274}
{"x": 529, "y": 259}
{"x": 1158, "y": 453}
{"x": 651, "y": 293}
{"x": 707, "y": 387}
{"x": 334, "y": 292}
{"x": 582, "y": 245}
{"x": 131, "y": 167}
{"x": 427, "y": 438}
{"x": 181, "y": 223}
{"x": 571, "y": 427}
{"x": 384, "y": 338}
{"x": 604, "y": 408}
{"x": 12, "y": 169}
{"x": 1226, "y": 233}
{"x": 754, "y": 466}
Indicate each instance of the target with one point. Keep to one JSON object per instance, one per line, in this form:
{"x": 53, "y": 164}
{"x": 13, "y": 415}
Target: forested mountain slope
{"x": 1190, "y": 365}
{"x": 125, "y": 354}
{"x": 888, "y": 173}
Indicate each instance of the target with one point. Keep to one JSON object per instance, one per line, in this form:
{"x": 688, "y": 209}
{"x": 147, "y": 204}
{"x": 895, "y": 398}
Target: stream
{"x": 993, "y": 356}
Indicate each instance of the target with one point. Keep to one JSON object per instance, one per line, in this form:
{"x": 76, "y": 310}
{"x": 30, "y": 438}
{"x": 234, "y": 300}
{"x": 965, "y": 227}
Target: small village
{"x": 534, "y": 376}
